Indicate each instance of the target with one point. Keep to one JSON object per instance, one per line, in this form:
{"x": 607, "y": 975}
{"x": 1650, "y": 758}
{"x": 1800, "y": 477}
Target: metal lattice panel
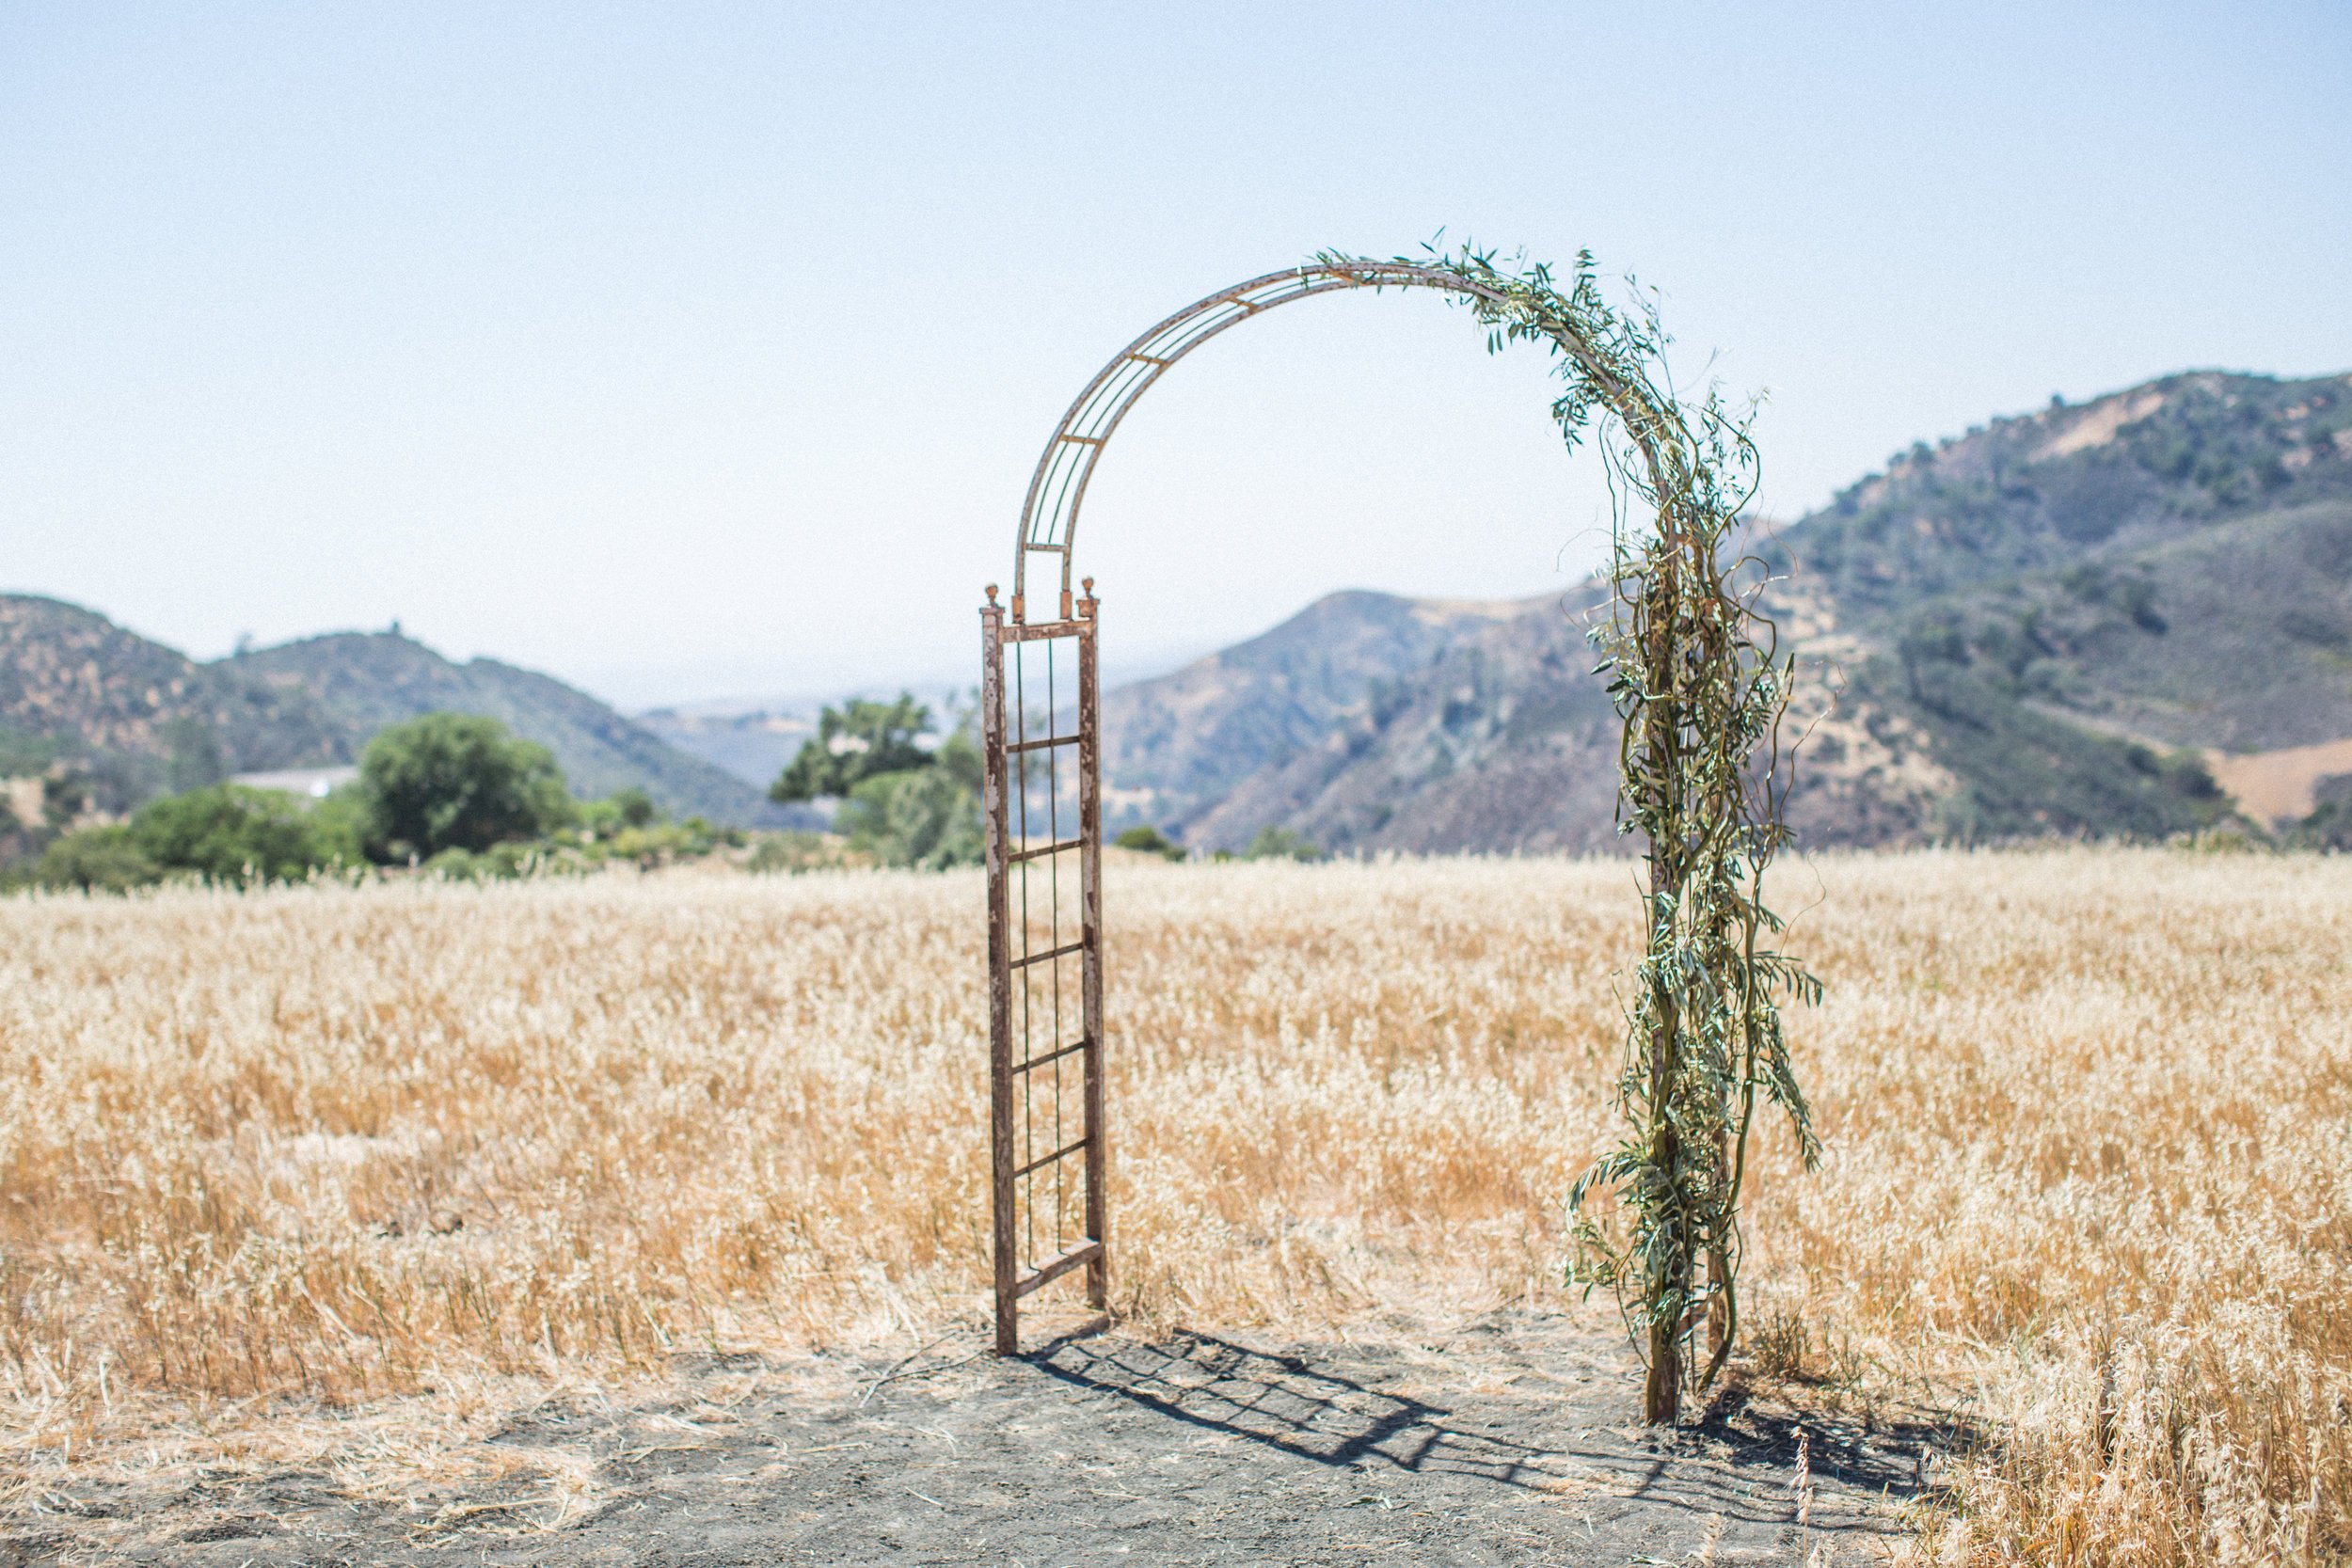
{"x": 1043, "y": 819}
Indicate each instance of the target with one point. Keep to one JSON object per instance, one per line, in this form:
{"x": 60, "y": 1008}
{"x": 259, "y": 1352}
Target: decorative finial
{"x": 992, "y": 592}
{"x": 1088, "y": 583}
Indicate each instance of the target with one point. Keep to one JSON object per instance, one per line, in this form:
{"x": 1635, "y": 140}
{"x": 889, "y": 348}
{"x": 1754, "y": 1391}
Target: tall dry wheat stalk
{"x": 425, "y": 1148}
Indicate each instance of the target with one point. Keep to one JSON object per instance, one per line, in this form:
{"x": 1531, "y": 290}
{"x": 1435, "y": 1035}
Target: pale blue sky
{"x": 686, "y": 350}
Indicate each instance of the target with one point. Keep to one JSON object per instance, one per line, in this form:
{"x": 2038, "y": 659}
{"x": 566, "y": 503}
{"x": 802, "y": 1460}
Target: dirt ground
{"x": 1509, "y": 1441}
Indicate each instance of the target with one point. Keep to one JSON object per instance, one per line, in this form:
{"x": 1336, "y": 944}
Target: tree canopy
{"x": 859, "y": 740}
{"x": 901, "y": 802}
{"x": 227, "y": 832}
{"x": 456, "y": 781}
{"x": 927, "y": 816}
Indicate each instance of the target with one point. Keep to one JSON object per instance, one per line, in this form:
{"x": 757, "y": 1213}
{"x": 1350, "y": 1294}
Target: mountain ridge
{"x": 140, "y": 718}
{"x": 1986, "y": 639}
{"x": 1176, "y": 744}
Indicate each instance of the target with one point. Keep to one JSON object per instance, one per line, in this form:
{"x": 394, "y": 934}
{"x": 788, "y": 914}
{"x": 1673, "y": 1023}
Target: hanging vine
{"x": 1698, "y": 679}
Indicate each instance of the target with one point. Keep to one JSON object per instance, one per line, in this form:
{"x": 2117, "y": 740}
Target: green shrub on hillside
{"x": 2023, "y": 772}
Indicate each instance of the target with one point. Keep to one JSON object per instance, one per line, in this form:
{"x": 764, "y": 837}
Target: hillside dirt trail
{"x": 1510, "y": 1441}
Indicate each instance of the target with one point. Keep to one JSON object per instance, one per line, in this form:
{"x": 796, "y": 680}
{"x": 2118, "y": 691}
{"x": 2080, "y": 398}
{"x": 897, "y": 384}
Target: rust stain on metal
{"x": 999, "y": 974}
{"x": 1090, "y": 953}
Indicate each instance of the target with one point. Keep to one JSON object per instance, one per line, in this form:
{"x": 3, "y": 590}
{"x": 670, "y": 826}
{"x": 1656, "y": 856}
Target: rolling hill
{"x": 2127, "y": 617}
{"x": 1177, "y": 746}
{"x": 371, "y": 679}
{"x": 2069, "y": 622}
{"x": 141, "y": 718}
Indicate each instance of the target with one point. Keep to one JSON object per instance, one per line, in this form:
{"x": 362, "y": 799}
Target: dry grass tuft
{"x": 348, "y": 1173}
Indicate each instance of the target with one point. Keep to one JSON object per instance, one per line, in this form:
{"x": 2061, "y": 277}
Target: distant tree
{"x": 96, "y": 859}
{"x": 228, "y": 832}
{"x": 2136, "y": 598}
{"x": 2328, "y": 827}
{"x": 222, "y": 833}
{"x": 456, "y": 781}
{"x": 634, "y": 807}
{"x": 1281, "y": 843}
{"x": 339, "y": 827}
{"x": 927, "y": 816}
{"x": 1146, "y": 839}
{"x": 857, "y": 741}
{"x": 68, "y": 792}
{"x": 616, "y": 814}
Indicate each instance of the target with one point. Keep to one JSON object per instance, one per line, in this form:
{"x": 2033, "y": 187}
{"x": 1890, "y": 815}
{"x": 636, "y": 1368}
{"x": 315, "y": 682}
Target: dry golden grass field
{"x": 339, "y": 1175}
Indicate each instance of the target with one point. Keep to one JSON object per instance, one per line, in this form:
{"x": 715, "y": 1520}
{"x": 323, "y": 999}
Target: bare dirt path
{"x": 1509, "y": 1442}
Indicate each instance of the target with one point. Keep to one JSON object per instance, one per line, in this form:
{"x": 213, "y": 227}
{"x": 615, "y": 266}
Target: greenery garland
{"x": 1698, "y": 677}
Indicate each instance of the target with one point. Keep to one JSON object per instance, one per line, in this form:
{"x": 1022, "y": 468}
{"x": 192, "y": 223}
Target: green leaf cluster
{"x": 1696, "y": 677}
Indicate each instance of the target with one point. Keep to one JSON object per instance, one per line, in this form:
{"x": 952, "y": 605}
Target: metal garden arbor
{"x": 1696, "y": 673}
{"x": 1050, "y": 1156}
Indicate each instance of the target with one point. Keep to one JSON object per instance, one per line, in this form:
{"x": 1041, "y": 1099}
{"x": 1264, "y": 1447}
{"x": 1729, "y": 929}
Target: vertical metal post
{"x": 999, "y": 972}
{"x": 1091, "y": 953}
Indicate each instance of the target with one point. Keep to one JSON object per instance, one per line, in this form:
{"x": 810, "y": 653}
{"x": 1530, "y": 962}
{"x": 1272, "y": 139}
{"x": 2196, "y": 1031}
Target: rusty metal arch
{"x": 1048, "y": 517}
{"x": 1042, "y": 945}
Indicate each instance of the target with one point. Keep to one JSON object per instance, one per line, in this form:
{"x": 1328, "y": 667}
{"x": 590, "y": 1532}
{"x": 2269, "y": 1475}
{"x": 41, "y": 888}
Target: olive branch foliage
{"x": 1698, "y": 677}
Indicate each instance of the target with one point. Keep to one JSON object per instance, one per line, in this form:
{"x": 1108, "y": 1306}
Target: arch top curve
{"x": 1049, "y": 515}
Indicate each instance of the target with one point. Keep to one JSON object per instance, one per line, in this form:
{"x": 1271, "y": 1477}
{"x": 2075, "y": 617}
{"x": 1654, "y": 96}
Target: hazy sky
{"x": 690, "y": 350}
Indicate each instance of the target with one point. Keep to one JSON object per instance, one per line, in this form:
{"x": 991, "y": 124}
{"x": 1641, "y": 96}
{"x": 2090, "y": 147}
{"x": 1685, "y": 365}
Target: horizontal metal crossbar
{"x": 1042, "y": 742}
{"x": 1045, "y": 1160}
{"x": 1062, "y": 952}
{"x": 1030, "y": 631}
{"x": 1059, "y": 1264}
{"x": 1052, "y": 848}
{"x": 1036, "y": 1062}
